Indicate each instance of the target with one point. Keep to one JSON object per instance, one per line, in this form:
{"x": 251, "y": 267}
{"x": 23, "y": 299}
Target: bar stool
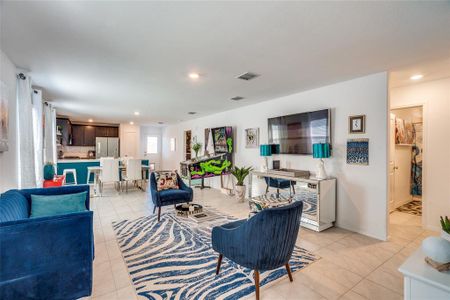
{"x": 90, "y": 170}
{"x": 74, "y": 174}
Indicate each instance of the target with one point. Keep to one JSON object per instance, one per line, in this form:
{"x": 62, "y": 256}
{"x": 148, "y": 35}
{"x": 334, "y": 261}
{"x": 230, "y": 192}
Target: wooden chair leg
{"x": 154, "y": 208}
{"x": 159, "y": 213}
{"x": 257, "y": 284}
{"x": 219, "y": 262}
{"x": 288, "y": 269}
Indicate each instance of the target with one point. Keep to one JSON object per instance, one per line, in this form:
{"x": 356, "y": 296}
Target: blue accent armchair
{"x": 264, "y": 242}
{"x": 279, "y": 184}
{"x": 47, "y": 257}
{"x": 168, "y": 197}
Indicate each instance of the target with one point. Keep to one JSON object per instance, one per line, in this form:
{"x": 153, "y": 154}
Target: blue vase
{"x": 49, "y": 172}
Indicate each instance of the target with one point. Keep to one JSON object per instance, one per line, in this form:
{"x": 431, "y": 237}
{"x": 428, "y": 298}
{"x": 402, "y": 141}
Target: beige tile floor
{"x": 352, "y": 266}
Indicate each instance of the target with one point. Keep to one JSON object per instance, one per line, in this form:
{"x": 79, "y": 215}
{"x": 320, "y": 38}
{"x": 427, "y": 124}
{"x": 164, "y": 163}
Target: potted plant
{"x": 445, "y": 224}
{"x": 196, "y": 147}
{"x": 240, "y": 174}
{"x": 49, "y": 171}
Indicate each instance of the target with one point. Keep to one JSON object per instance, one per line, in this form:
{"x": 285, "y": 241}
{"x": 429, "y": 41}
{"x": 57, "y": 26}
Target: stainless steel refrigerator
{"x": 106, "y": 147}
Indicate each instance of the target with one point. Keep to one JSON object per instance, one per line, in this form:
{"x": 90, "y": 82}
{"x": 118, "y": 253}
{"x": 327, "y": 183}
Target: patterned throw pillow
{"x": 166, "y": 181}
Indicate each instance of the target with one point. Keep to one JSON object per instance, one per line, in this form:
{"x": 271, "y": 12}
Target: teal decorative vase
{"x": 49, "y": 172}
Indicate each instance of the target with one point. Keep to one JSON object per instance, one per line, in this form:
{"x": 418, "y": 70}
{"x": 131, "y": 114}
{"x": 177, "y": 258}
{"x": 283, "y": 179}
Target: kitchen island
{"x": 81, "y": 167}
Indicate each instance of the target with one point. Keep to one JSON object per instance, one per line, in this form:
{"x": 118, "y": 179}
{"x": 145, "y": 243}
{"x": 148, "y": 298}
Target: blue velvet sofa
{"x": 46, "y": 257}
{"x": 169, "y": 197}
{"x": 264, "y": 242}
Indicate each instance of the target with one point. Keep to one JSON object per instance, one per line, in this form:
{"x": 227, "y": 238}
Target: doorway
{"x": 406, "y": 164}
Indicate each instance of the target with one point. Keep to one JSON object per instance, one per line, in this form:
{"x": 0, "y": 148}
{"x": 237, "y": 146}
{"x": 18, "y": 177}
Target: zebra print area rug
{"x": 413, "y": 207}
{"x": 173, "y": 259}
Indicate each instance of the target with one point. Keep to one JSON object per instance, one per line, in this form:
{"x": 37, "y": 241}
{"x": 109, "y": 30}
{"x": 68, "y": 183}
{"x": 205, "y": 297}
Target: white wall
{"x": 435, "y": 96}
{"x": 151, "y": 131}
{"x": 9, "y": 159}
{"x": 361, "y": 190}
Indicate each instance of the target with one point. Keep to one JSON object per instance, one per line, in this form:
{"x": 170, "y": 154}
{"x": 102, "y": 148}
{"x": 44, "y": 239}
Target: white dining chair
{"x": 133, "y": 171}
{"x": 109, "y": 173}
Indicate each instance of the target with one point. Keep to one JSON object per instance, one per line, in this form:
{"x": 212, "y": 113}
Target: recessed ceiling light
{"x": 131, "y": 122}
{"x": 416, "y": 77}
{"x": 192, "y": 113}
{"x": 90, "y": 120}
{"x": 136, "y": 113}
{"x": 194, "y": 75}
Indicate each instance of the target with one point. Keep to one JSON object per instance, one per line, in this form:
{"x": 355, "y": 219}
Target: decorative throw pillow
{"x": 45, "y": 205}
{"x": 166, "y": 181}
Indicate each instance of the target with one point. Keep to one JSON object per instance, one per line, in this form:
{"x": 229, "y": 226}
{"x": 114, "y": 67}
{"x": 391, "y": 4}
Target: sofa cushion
{"x": 13, "y": 206}
{"x": 174, "y": 195}
{"x": 43, "y": 205}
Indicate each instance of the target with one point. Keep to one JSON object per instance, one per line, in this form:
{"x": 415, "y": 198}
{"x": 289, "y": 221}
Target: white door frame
{"x": 424, "y": 158}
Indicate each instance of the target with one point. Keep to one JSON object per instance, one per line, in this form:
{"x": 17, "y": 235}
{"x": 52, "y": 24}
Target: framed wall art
{"x": 252, "y": 138}
{"x": 357, "y": 124}
{"x": 358, "y": 152}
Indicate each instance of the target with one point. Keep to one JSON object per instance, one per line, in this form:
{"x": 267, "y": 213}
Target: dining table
{"x": 96, "y": 170}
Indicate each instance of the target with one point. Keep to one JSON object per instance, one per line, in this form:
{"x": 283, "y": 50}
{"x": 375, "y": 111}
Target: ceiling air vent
{"x": 237, "y": 98}
{"x": 247, "y": 76}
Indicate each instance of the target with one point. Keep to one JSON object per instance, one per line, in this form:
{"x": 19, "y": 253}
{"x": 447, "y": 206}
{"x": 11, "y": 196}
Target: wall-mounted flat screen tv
{"x": 298, "y": 132}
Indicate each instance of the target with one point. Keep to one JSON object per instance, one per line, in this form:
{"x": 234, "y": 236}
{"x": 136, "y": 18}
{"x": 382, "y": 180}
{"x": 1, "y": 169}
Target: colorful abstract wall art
{"x": 358, "y": 152}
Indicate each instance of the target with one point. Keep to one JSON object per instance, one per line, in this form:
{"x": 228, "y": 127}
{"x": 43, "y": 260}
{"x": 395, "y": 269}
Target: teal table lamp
{"x": 321, "y": 150}
{"x": 265, "y": 151}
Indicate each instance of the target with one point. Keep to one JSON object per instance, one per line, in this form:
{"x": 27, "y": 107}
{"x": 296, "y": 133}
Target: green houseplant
{"x": 240, "y": 174}
{"x": 445, "y": 224}
{"x": 196, "y": 147}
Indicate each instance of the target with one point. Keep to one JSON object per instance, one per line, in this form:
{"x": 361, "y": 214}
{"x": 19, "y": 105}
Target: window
{"x": 152, "y": 145}
{"x": 172, "y": 144}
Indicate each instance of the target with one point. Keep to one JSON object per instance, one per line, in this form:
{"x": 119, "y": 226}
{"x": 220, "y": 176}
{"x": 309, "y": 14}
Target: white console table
{"x": 422, "y": 282}
{"x": 319, "y": 196}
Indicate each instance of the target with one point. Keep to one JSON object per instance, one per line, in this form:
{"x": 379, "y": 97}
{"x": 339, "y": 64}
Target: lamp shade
{"x": 321, "y": 150}
{"x": 275, "y": 148}
{"x": 265, "y": 150}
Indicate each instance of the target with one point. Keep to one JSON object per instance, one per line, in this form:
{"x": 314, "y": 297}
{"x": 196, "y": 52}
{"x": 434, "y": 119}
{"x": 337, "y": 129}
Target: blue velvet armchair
{"x": 45, "y": 257}
{"x": 264, "y": 242}
{"x": 279, "y": 184}
{"x": 168, "y": 197}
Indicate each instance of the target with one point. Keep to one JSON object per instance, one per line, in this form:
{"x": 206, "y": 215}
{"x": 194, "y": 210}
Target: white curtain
{"x": 49, "y": 134}
{"x": 38, "y": 136}
{"x": 26, "y": 155}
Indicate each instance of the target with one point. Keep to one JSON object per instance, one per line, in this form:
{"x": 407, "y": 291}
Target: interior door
{"x": 392, "y": 166}
{"x": 130, "y": 144}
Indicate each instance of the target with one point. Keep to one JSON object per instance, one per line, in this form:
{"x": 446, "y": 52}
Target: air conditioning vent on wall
{"x": 237, "y": 98}
{"x": 247, "y": 76}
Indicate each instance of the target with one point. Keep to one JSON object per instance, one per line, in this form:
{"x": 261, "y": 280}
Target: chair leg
{"x": 154, "y": 208}
{"x": 219, "y": 262}
{"x": 159, "y": 213}
{"x": 288, "y": 269}
{"x": 267, "y": 188}
{"x": 256, "y": 274}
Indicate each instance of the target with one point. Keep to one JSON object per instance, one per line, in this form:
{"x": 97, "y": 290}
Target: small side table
{"x": 421, "y": 281}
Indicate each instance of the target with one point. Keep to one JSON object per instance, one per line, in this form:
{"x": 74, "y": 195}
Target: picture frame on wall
{"x": 358, "y": 152}
{"x": 357, "y": 124}
{"x": 252, "y": 138}
{"x": 3, "y": 117}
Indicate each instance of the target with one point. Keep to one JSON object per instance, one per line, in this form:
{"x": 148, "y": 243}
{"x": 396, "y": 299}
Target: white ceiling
{"x": 105, "y": 60}
{"x": 432, "y": 70}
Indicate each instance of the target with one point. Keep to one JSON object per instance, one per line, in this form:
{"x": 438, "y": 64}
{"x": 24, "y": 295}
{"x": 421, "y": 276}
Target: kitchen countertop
{"x": 77, "y": 160}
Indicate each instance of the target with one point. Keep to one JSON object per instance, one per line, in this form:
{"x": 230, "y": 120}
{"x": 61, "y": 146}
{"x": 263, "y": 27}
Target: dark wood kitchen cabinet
{"x": 89, "y": 135}
{"x": 77, "y": 135}
{"x": 84, "y": 135}
{"x": 113, "y": 131}
{"x": 101, "y": 131}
